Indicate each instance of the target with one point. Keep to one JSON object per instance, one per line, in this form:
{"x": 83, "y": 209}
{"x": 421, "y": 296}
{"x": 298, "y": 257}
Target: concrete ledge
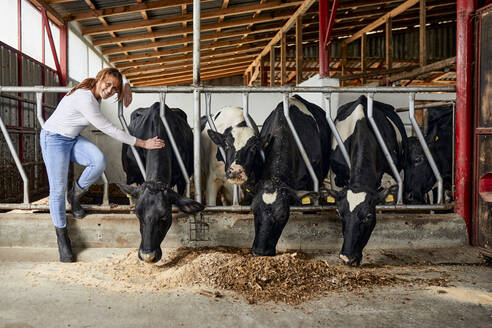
{"x": 308, "y": 232}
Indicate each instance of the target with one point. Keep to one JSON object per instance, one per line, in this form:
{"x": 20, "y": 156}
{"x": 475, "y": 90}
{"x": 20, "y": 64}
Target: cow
{"x": 357, "y": 190}
{"x": 155, "y": 196}
{"x": 241, "y": 147}
{"x": 284, "y": 173}
{"x": 419, "y": 178}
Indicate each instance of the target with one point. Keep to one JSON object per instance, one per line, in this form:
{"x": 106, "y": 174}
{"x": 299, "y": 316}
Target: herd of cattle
{"x": 271, "y": 173}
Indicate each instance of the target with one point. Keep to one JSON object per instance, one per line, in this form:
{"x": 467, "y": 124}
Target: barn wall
{"x": 21, "y": 122}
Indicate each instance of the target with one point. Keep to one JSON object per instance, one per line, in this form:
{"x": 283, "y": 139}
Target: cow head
{"x": 357, "y": 209}
{"x": 153, "y": 209}
{"x": 419, "y": 178}
{"x": 271, "y": 207}
{"x": 242, "y": 149}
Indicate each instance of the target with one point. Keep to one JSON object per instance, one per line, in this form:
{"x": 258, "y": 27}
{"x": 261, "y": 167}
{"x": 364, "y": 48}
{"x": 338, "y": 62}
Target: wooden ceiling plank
{"x": 244, "y": 9}
{"x": 204, "y": 27}
{"x": 52, "y": 14}
{"x": 189, "y": 79}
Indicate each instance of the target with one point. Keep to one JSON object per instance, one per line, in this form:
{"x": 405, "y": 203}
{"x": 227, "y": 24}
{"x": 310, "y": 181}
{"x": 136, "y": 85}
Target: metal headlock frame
{"x": 39, "y": 90}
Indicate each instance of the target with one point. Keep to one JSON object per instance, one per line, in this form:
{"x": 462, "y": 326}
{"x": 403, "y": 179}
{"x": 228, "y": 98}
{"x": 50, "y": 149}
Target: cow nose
{"x": 147, "y": 256}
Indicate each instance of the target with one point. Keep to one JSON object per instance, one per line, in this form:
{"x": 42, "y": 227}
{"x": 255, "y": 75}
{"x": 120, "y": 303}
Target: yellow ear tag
{"x": 266, "y": 144}
{"x": 330, "y": 200}
{"x": 248, "y": 190}
{"x": 389, "y": 198}
{"x": 436, "y": 138}
{"x": 306, "y": 200}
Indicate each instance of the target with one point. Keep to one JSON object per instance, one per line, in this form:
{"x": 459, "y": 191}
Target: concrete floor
{"x": 51, "y": 303}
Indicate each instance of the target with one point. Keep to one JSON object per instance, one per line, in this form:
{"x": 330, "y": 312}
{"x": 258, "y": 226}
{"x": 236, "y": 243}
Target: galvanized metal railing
{"x": 196, "y": 90}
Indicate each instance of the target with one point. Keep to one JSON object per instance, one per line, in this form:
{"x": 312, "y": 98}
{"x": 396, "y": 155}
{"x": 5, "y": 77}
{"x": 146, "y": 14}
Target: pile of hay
{"x": 290, "y": 277}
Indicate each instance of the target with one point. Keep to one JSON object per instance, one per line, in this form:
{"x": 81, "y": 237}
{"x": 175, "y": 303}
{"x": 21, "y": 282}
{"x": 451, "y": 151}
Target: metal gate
{"x": 482, "y": 178}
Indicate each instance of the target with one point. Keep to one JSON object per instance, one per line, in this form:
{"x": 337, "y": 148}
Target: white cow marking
{"x": 397, "y": 131}
{"x": 347, "y": 126}
{"x": 269, "y": 198}
{"x": 241, "y": 136}
{"x": 355, "y": 199}
{"x": 300, "y": 105}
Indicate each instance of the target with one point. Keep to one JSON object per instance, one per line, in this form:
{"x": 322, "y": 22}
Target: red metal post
{"x": 64, "y": 52}
{"x": 324, "y": 55}
{"x": 52, "y": 44}
{"x": 464, "y": 109}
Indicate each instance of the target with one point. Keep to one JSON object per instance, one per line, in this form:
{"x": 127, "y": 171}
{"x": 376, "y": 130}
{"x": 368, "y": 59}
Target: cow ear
{"x": 388, "y": 196}
{"x": 186, "y": 205}
{"x": 217, "y": 138}
{"x": 128, "y": 189}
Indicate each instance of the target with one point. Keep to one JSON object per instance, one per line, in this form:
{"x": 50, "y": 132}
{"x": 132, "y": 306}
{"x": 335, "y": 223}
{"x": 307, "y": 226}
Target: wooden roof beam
{"x": 381, "y": 20}
{"x": 244, "y": 9}
{"x": 52, "y": 14}
{"x": 181, "y": 80}
{"x": 290, "y": 23}
{"x": 204, "y": 27}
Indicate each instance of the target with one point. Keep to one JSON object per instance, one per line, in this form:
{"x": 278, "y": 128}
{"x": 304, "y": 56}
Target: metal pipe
{"x": 134, "y": 150}
{"x": 25, "y": 180}
{"x": 230, "y": 209}
{"x": 464, "y": 116}
{"x": 39, "y": 108}
{"x": 382, "y": 144}
{"x": 162, "y": 97}
{"x": 248, "y": 120}
{"x": 196, "y": 42}
{"x": 241, "y": 89}
{"x": 196, "y": 144}
{"x": 327, "y": 102}
{"x": 427, "y": 152}
{"x": 323, "y": 52}
{"x": 105, "y": 189}
{"x": 299, "y": 143}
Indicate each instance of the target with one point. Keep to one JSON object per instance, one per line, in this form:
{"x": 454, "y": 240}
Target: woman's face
{"x": 106, "y": 87}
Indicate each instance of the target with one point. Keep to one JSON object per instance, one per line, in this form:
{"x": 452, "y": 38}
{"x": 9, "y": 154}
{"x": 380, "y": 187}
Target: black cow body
{"x": 155, "y": 196}
{"x": 419, "y": 178}
{"x": 284, "y": 170}
{"x": 356, "y": 189}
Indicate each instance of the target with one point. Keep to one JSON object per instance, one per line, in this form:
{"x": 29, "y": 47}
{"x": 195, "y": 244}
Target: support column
{"x": 464, "y": 118}
{"x": 422, "y": 36}
{"x": 324, "y": 60}
{"x": 272, "y": 66}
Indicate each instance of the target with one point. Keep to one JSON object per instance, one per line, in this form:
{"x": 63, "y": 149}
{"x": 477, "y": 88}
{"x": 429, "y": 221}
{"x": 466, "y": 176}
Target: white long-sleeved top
{"x": 75, "y": 112}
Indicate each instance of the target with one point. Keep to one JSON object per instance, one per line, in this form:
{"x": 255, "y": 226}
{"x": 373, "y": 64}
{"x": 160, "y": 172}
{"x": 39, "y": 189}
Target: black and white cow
{"x": 284, "y": 170}
{"x": 356, "y": 189}
{"x": 155, "y": 196}
{"x": 419, "y": 178}
{"x": 242, "y": 149}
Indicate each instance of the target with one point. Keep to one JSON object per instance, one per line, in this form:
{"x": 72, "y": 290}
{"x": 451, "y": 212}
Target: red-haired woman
{"x": 62, "y": 143}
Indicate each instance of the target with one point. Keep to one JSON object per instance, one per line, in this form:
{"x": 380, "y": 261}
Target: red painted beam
{"x": 52, "y": 44}
{"x": 324, "y": 55}
{"x": 464, "y": 117}
{"x": 64, "y": 52}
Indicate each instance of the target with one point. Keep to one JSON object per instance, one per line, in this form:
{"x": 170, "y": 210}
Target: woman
{"x": 61, "y": 143}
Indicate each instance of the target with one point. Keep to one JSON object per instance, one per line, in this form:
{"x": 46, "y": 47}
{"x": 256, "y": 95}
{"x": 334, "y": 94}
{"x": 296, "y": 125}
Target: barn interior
{"x": 226, "y": 56}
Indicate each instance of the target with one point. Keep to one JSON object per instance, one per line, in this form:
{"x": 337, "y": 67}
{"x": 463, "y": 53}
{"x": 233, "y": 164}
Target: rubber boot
{"x": 73, "y": 197}
{"x": 64, "y": 245}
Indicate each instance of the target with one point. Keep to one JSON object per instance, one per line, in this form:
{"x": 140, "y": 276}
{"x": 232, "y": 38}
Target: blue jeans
{"x": 58, "y": 151}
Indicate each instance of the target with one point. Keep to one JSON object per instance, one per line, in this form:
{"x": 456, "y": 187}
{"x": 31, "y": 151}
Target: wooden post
{"x": 299, "y": 50}
{"x": 344, "y": 60}
{"x": 272, "y": 66}
{"x": 389, "y": 43}
{"x": 262, "y": 72}
{"x": 283, "y": 58}
{"x": 363, "y": 49}
{"x": 422, "y": 34}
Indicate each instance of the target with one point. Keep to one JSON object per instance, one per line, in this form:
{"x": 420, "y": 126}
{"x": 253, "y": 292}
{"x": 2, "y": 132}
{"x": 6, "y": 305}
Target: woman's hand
{"x": 127, "y": 95}
{"x": 152, "y": 143}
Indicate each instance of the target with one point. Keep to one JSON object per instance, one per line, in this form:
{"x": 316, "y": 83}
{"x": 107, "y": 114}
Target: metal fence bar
{"x": 299, "y": 143}
{"x": 25, "y": 180}
{"x": 382, "y": 144}
{"x": 134, "y": 150}
{"x": 196, "y": 145}
{"x": 428, "y": 155}
{"x": 229, "y": 209}
{"x": 327, "y": 103}
{"x": 284, "y": 89}
{"x": 248, "y": 120}
{"x": 162, "y": 108}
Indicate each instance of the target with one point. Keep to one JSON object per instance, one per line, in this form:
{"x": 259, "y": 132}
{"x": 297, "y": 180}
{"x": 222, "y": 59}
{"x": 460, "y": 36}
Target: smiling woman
{"x": 61, "y": 143}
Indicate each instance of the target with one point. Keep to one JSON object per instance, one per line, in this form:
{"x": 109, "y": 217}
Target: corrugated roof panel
{"x": 123, "y": 18}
